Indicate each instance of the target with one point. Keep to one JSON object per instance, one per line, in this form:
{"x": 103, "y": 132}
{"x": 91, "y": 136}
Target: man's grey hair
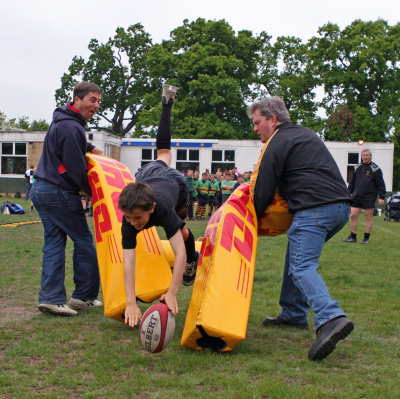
{"x": 269, "y": 106}
{"x": 366, "y": 150}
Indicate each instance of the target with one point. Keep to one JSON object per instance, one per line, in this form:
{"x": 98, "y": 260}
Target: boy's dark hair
{"x": 136, "y": 195}
{"x": 83, "y": 88}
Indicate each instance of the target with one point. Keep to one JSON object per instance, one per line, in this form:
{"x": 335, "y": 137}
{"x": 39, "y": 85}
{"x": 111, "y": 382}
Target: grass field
{"x": 91, "y": 356}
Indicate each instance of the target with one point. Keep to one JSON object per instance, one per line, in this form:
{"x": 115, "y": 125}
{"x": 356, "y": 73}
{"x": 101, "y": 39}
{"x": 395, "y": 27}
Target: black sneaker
{"x": 364, "y": 241}
{"x": 278, "y": 321}
{"x": 350, "y": 239}
{"x": 328, "y": 335}
{"x": 190, "y": 271}
{"x": 168, "y": 94}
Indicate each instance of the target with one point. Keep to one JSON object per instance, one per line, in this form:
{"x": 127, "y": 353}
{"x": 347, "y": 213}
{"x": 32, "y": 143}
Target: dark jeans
{"x": 62, "y": 215}
{"x": 28, "y": 190}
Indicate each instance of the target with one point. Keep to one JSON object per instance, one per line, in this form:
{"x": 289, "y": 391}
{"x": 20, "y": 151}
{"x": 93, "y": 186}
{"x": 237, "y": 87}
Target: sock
{"x": 366, "y": 235}
{"x": 353, "y": 235}
{"x": 163, "y": 140}
{"x": 190, "y": 248}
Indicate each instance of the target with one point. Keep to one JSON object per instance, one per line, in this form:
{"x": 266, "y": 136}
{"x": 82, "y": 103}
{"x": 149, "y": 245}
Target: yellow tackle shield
{"x": 219, "y": 308}
{"x": 107, "y": 178}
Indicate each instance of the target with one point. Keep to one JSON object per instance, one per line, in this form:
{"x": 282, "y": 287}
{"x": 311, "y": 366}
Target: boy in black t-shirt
{"x": 159, "y": 197}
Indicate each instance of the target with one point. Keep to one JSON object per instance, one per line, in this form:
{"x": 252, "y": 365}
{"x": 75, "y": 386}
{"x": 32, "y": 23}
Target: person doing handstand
{"x": 159, "y": 197}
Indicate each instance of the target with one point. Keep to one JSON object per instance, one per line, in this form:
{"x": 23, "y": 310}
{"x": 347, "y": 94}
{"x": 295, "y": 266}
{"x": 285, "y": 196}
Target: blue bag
{"x": 13, "y": 208}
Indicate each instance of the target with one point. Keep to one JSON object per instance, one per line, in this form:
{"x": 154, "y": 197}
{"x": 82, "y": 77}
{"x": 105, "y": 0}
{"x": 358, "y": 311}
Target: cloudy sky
{"x": 38, "y": 39}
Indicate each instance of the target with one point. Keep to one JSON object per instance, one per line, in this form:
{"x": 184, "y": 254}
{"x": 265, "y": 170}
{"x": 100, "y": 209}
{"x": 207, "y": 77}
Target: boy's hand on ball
{"x": 132, "y": 315}
{"x": 170, "y": 300}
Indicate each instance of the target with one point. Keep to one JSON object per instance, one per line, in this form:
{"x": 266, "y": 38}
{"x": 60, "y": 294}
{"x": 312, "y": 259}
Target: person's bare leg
{"x": 354, "y": 219}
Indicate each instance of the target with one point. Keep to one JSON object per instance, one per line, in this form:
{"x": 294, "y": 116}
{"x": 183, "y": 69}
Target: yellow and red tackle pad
{"x": 219, "y": 309}
{"x": 276, "y": 219}
{"x": 107, "y": 178}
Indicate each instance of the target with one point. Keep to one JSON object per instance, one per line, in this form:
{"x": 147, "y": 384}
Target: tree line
{"x": 342, "y": 83}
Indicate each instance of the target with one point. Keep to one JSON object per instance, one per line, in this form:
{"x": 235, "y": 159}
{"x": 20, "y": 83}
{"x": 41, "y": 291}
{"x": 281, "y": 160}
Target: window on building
{"x": 353, "y": 159}
{"x": 229, "y": 156}
{"x": 223, "y": 160}
{"x": 181, "y": 155}
{"x": 148, "y": 155}
{"x": 217, "y": 155}
{"x": 187, "y": 159}
{"x": 13, "y": 158}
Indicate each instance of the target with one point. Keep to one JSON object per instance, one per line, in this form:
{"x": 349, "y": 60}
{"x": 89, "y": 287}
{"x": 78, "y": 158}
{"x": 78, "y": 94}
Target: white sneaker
{"x": 168, "y": 94}
{"x": 80, "y": 304}
{"x": 57, "y": 310}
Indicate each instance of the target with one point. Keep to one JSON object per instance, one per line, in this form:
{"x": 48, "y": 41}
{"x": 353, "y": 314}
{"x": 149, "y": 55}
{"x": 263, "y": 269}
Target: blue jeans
{"x": 28, "y": 190}
{"x": 62, "y": 214}
{"x": 302, "y": 286}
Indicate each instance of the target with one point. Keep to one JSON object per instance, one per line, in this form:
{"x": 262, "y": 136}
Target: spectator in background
{"x": 189, "y": 180}
{"x": 227, "y": 186}
{"x": 29, "y": 181}
{"x": 365, "y": 185}
{"x": 239, "y": 181}
{"x": 246, "y": 177}
{"x": 213, "y": 195}
{"x": 218, "y": 178}
{"x": 195, "y": 199}
{"x": 202, "y": 188}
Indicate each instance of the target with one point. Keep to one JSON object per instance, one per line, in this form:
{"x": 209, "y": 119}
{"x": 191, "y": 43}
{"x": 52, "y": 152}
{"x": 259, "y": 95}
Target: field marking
{"x": 17, "y": 224}
{"x": 375, "y": 227}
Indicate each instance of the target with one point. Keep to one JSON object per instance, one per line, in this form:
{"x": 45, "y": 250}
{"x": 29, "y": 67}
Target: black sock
{"x": 163, "y": 140}
{"x": 366, "y": 235}
{"x": 190, "y": 248}
{"x": 353, "y": 235}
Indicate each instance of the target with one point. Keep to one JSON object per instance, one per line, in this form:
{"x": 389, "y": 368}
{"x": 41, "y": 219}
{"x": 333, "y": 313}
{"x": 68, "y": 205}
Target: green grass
{"x": 91, "y": 356}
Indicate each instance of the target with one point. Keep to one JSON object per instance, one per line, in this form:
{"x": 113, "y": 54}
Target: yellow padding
{"x": 219, "y": 308}
{"x": 276, "y": 219}
{"x": 107, "y": 178}
{"x": 169, "y": 253}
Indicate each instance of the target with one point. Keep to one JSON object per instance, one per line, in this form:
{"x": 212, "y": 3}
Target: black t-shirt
{"x": 166, "y": 193}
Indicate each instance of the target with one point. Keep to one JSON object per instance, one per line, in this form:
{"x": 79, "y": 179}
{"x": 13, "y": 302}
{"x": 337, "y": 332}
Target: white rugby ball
{"x": 156, "y": 328}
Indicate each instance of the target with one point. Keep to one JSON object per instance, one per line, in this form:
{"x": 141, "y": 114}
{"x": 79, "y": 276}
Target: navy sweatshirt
{"x": 63, "y": 159}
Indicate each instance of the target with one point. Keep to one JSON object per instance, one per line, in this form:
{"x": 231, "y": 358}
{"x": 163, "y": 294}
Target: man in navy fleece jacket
{"x": 60, "y": 175}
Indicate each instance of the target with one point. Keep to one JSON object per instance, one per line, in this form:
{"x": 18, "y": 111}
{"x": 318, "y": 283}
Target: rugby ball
{"x": 156, "y": 328}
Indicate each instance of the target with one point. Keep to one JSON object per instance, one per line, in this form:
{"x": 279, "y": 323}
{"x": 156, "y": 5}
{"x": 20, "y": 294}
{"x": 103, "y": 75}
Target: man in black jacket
{"x": 365, "y": 184}
{"x": 297, "y": 163}
{"x": 60, "y": 175}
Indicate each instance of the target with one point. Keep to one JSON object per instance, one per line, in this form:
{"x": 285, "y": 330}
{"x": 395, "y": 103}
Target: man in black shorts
{"x": 365, "y": 184}
{"x": 159, "y": 197}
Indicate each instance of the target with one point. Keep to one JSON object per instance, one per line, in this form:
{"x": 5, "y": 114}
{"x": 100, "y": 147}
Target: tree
{"x": 7, "y": 125}
{"x": 120, "y": 68}
{"x": 340, "y": 124}
{"x": 213, "y": 68}
{"x": 359, "y": 68}
{"x": 285, "y": 70}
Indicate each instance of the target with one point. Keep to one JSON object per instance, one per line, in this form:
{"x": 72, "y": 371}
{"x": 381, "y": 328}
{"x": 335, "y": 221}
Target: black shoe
{"x": 190, "y": 271}
{"x": 350, "y": 239}
{"x": 278, "y": 321}
{"x": 168, "y": 95}
{"x": 328, "y": 335}
{"x": 364, "y": 241}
